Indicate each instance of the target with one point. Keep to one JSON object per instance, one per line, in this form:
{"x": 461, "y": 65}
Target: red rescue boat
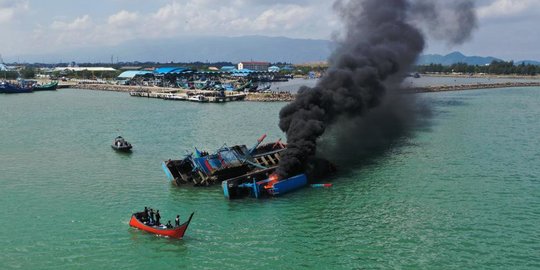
{"x": 176, "y": 232}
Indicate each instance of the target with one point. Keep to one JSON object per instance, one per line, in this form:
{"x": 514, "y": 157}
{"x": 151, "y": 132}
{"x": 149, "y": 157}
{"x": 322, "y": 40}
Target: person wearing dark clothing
{"x": 152, "y": 220}
{"x": 158, "y": 217}
{"x": 177, "y": 221}
{"x": 144, "y": 215}
{"x": 169, "y": 225}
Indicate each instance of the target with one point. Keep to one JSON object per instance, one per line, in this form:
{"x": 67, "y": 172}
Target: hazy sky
{"x": 507, "y": 28}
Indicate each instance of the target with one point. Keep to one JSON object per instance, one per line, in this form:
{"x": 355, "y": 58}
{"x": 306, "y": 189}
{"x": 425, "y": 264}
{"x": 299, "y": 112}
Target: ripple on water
{"x": 462, "y": 193}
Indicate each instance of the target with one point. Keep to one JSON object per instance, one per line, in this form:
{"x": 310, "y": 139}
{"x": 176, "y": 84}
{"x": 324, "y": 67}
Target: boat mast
{"x": 4, "y": 66}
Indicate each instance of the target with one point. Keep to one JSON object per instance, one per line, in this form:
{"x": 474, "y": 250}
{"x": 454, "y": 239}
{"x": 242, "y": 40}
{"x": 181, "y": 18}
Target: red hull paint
{"x": 177, "y": 232}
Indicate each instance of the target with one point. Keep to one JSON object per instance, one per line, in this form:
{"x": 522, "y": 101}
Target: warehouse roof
{"x": 132, "y": 73}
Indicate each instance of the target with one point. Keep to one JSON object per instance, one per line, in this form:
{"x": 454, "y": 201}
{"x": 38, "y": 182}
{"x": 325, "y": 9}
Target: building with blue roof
{"x": 171, "y": 70}
{"x": 274, "y": 69}
{"x": 227, "y": 68}
{"x": 130, "y": 74}
{"x": 241, "y": 72}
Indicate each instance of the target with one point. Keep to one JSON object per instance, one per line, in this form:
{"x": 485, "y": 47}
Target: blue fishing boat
{"x": 9, "y": 88}
{"x": 201, "y": 168}
{"x": 242, "y": 172}
{"x": 260, "y": 185}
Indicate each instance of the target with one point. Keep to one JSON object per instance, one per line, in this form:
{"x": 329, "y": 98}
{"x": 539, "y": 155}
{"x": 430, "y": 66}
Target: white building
{"x": 76, "y": 69}
{"x": 256, "y": 66}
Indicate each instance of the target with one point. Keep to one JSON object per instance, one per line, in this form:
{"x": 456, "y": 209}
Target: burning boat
{"x": 241, "y": 171}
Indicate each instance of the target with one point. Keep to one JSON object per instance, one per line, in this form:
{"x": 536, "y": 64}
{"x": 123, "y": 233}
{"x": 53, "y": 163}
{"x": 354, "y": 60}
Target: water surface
{"x": 463, "y": 193}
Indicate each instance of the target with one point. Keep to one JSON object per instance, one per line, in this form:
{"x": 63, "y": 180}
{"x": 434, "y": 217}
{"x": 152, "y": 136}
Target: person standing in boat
{"x": 152, "y": 216}
{"x": 158, "y": 217}
{"x": 147, "y": 213}
{"x": 144, "y": 215}
{"x": 177, "y": 221}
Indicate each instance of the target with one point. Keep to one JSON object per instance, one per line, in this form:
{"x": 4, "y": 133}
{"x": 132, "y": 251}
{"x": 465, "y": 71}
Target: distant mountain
{"x": 191, "y": 49}
{"x": 226, "y": 49}
{"x": 453, "y": 58}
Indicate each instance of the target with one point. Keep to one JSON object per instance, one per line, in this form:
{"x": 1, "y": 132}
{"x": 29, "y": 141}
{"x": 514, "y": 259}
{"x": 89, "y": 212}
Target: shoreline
{"x": 286, "y": 96}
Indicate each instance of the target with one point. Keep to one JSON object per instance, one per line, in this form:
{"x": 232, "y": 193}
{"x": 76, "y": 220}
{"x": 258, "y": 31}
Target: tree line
{"x": 495, "y": 67}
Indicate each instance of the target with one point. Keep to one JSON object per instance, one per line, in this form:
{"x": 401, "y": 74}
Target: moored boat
{"x": 46, "y": 87}
{"x": 176, "y": 232}
{"x": 198, "y": 98}
{"x": 9, "y": 88}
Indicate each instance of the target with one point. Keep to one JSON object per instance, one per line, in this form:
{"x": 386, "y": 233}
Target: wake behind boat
{"x": 175, "y": 232}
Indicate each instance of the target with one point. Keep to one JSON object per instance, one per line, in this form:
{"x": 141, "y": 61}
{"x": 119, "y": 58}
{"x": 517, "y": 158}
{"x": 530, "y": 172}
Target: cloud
{"x": 506, "y": 8}
{"x": 191, "y": 17}
{"x": 282, "y": 17}
{"x": 123, "y": 18}
{"x": 80, "y": 23}
{"x": 9, "y": 8}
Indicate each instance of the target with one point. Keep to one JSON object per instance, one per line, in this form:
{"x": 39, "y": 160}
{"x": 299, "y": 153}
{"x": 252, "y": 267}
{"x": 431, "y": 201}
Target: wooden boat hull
{"x": 177, "y": 232}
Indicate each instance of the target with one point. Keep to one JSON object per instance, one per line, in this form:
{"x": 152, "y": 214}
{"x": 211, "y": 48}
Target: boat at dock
{"x": 46, "y": 87}
{"x": 175, "y": 97}
{"x": 197, "y": 98}
{"x": 242, "y": 171}
{"x": 10, "y": 88}
{"x": 175, "y": 232}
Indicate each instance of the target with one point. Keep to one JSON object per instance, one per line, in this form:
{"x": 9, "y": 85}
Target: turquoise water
{"x": 462, "y": 193}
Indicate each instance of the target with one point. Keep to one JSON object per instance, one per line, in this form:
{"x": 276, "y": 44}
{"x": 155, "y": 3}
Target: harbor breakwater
{"x": 476, "y": 86}
{"x": 287, "y": 96}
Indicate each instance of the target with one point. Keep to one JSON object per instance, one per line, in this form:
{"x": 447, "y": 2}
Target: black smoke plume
{"x": 358, "y": 99}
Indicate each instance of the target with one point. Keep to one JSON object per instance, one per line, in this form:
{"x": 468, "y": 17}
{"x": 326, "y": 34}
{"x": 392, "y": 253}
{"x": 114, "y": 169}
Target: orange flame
{"x": 274, "y": 178}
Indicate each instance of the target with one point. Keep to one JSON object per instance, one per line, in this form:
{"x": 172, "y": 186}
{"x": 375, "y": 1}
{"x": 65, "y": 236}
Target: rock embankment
{"x": 269, "y": 97}
{"x": 124, "y": 88}
{"x": 442, "y": 88}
